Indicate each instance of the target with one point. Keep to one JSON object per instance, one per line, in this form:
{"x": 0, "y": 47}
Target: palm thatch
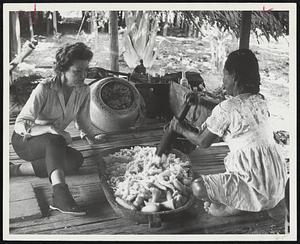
{"x": 270, "y": 23}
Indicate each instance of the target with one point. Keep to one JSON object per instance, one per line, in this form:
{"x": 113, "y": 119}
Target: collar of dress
{"x": 56, "y": 85}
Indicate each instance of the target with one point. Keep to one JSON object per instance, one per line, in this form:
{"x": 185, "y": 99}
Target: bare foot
{"x": 220, "y": 210}
{"x": 206, "y": 206}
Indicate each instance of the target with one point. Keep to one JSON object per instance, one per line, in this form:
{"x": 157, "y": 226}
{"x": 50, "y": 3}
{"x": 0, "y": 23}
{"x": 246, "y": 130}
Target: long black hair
{"x": 66, "y": 55}
{"x": 243, "y": 65}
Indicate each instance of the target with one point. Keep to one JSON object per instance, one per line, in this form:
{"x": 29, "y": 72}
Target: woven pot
{"x": 115, "y": 104}
{"x": 153, "y": 219}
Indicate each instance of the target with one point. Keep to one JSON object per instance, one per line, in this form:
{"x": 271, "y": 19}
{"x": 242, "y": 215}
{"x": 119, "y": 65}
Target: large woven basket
{"x": 153, "y": 219}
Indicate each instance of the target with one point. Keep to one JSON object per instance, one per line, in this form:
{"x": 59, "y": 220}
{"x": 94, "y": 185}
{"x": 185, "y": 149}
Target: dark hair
{"x": 66, "y": 55}
{"x": 244, "y": 65}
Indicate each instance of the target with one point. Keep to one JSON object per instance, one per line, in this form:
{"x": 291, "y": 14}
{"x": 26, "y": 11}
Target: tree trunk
{"x": 114, "y": 47}
{"x": 166, "y": 25}
{"x": 190, "y": 29}
{"x": 30, "y": 25}
{"x": 175, "y": 19}
{"x": 123, "y": 19}
{"x": 15, "y": 35}
{"x": 48, "y": 25}
{"x": 94, "y": 26}
{"x": 54, "y": 23}
{"x": 181, "y": 22}
{"x": 245, "y": 29}
{"x": 196, "y": 29}
{"x": 186, "y": 28}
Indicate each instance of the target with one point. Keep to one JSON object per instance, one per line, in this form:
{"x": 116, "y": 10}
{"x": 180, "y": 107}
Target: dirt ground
{"x": 176, "y": 54}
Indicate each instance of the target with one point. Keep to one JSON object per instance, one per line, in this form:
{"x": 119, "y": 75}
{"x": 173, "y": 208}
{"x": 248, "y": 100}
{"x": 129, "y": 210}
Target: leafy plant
{"x": 218, "y": 37}
{"x": 140, "y": 38}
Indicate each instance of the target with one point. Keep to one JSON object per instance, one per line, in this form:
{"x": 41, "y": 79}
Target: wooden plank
{"x": 191, "y": 223}
{"x": 96, "y": 204}
{"x": 86, "y": 189}
{"x": 196, "y": 221}
{"x": 24, "y": 210}
{"x": 86, "y": 194}
{"x": 23, "y": 203}
{"x": 145, "y": 128}
{"x": 20, "y": 192}
{"x": 200, "y": 162}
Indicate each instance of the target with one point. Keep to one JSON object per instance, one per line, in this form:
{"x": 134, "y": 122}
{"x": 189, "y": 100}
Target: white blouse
{"x": 46, "y": 105}
{"x": 255, "y": 174}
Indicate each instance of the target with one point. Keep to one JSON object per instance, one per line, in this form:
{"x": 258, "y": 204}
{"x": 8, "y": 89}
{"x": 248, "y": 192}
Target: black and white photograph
{"x": 149, "y": 121}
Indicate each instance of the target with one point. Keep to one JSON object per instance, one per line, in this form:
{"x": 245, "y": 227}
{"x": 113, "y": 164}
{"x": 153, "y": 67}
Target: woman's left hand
{"x": 95, "y": 139}
{"x": 176, "y": 126}
{"x": 99, "y": 137}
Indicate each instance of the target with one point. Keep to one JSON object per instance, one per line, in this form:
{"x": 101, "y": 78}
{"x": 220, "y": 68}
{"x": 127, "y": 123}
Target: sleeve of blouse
{"x": 31, "y": 108}
{"x": 83, "y": 120}
{"x": 218, "y": 122}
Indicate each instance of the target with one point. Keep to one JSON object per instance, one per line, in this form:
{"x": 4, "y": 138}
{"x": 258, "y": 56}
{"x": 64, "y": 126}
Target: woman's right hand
{"x": 176, "y": 126}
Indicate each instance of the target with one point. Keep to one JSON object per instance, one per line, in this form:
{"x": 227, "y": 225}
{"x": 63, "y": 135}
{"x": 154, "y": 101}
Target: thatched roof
{"x": 270, "y": 23}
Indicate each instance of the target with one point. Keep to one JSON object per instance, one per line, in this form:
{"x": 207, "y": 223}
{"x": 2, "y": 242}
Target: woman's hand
{"x": 176, "y": 126}
{"x": 95, "y": 139}
{"x": 28, "y": 125}
{"x": 25, "y": 129}
{"x": 99, "y": 137}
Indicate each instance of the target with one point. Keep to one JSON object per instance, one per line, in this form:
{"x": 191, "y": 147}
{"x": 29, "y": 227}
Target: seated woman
{"x": 39, "y": 135}
{"x": 255, "y": 176}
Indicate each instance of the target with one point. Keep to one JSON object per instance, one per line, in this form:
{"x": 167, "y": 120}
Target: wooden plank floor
{"x": 101, "y": 219}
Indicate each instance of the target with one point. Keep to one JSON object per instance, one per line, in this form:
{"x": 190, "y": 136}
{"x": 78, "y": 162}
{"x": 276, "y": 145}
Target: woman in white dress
{"x": 255, "y": 176}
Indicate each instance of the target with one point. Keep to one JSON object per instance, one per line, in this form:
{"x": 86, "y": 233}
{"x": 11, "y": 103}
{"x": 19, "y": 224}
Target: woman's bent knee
{"x": 56, "y": 140}
{"x": 74, "y": 161}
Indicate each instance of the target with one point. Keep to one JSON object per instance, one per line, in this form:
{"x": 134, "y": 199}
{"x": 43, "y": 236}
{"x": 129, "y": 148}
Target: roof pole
{"x": 245, "y": 29}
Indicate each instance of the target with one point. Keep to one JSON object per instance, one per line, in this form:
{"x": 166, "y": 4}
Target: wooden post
{"x": 30, "y": 25}
{"x": 114, "y": 47}
{"x": 245, "y": 29}
{"x": 15, "y": 35}
{"x": 54, "y": 23}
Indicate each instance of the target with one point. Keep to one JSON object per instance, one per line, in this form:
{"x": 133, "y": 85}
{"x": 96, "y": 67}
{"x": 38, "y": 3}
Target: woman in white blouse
{"x": 40, "y": 137}
{"x": 255, "y": 176}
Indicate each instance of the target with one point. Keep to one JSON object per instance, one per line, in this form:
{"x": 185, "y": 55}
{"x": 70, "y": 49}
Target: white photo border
{"x": 291, "y": 7}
